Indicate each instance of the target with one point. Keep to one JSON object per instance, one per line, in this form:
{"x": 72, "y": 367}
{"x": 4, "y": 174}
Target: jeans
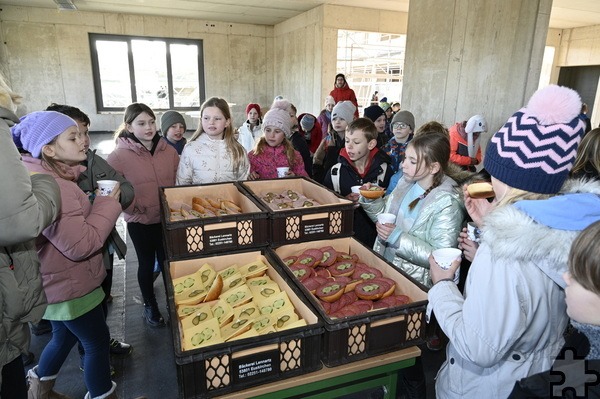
{"x": 13, "y": 380}
{"x": 91, "y": 330}
{"x": 148, "y": 243}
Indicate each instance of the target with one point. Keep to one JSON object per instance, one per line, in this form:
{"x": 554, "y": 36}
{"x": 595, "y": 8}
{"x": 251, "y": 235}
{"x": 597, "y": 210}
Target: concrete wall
{"x": 486, "y": 58}
{"x": 45, "y": 55}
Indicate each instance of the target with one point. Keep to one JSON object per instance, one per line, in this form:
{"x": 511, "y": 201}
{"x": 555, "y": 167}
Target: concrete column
{"x": 467, "y": 57}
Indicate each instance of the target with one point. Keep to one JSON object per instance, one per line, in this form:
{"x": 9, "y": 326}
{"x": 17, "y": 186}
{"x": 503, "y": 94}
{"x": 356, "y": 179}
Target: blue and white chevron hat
{"x": 535, "y": 149}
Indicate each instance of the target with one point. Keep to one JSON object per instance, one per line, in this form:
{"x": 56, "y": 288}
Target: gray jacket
{"x": 437, "y": 225}
{"x": 28, "y": 205}
{"x": 98, "y": 169}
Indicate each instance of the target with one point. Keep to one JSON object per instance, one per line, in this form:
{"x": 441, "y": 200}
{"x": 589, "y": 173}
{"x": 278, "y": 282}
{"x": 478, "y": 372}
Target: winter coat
{"x": 248, "y": 136}
{"x": 345, "y": 93}
{"x": 178, "y": 145}
{"x": 576, "y": 370}
{"x": 510, "y": 323}
{"x": 205, "y": 160}
{"x": 28, "y": 205}
{"x": 98, "y": 169}
{"x": 146, "y": 171}
{"x": 327, "y": 155}
{"x": 459, "y": 148}
{"x": 324, "y": 120}
{"x": 300, "y": 145}
{"x": 70, "y": 248}
{"x": 396, "y": 151}
{"x": 437, "y": 225}
{"x": 266, "y": 163}
{"x": 315, "y": 136}
{"x": 377, "y": 172}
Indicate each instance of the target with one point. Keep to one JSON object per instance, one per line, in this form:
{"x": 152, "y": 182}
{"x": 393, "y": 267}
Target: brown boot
{"x": 112, "y": 394}
{"x": 41, "y": 388}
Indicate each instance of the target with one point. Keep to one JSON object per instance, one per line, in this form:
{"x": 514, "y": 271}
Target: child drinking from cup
{"x": 273, "y": 149}
{"x": 213, "y": 154}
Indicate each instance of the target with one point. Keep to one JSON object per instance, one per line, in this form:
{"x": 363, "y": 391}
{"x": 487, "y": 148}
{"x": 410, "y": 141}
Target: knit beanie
{"x": 404, "y": 117}
{"x": 385, "y": 105}
{"x": 476, "y": 124}
{"x": 373, "y": 112}
{"x": 279, "y": 117}
{"x": 307, "y": 122}
{"x": 344, "y": 110}
{"x": 255, "y": 106}
{"x": 329, "y": 100}
{"x": 37, "y": 129}
{"x": 170, "y": 118}
{"x": 535, "y": 149}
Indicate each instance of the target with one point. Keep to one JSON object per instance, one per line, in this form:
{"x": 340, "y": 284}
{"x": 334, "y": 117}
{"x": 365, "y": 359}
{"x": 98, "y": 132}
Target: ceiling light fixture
{"x": 65, "y": 5}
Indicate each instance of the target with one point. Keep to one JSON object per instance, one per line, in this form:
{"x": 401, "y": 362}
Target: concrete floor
{"x": 150, "y": 369}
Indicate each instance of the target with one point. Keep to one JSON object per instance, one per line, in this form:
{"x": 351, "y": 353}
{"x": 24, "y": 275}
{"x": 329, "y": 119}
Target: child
{"x": 148, "y": 162}
{"x": 250, "y": 131}
{"x": 310, "y": 129}
{"x": 377, "y": 115}
{"x": 327, "y": 154}
{"x": 70, "y": 255}
{"x": 213, "y": 154}
{"x": 511, "y": 320}
{"x": 173, "y": 127}
{"x": 464, "y": 142}
{"x": 298, "y": 140}
{"x": 324, "y": 117}
{"x": 403, "y": 126}
{"x": 360, "y": 162}
{"x": 98, "y": 169}
{"x": 427, "y": 203}
{"x": 273, "y": 149}
{"x": 583, "y": 301}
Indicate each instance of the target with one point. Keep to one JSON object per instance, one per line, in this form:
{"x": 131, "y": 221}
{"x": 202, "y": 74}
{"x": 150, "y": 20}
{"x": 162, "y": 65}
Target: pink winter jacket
{"x": 70, "y": 249}
{"x": 271, "y": 158}
{"x": 147, "y": 172}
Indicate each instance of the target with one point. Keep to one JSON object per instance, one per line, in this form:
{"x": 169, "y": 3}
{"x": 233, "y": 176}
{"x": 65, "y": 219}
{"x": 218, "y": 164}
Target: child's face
{"x": 401, "y": 131}
{"x": 380, "y": 123}
{"x": 582, "y": 304}
{"x": 416, "y": 172}
{"x": 143, "y": 128}
{"x": 339, "y": 124}
{"x": 68, "y": 147}
{"x": 273, "y": 135}
{"x": 357, "y": 145}
{"x": 84, "y": 131}
{"x": 253, "y": 116}
{"x": 329, "y": 106}
{"x": 388, "y": 113}
{"x": 214, "y": 122}
{"x": 175, "y": 132}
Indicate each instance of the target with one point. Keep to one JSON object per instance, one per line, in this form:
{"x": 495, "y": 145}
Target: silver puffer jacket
{"x": 437, "y": 225}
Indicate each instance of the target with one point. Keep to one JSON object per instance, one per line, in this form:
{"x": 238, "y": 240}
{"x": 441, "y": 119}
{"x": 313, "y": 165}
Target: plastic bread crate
{"x": 198, "y": 236}
{"x": 352, "y": 338}
{"x": 236, "y": 365}
{"x": 333, "y": 217}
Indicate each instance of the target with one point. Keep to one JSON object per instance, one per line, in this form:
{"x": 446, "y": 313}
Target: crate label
{"x": 224, "y": 238}
{"x": 260, "y": 365}
{"x": 313, "y": 228}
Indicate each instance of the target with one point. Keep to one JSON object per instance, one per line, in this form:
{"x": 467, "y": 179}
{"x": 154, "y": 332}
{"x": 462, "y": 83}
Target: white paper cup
{"x": 384, "y": 218}
{"x": 473, "y": 232}
{"x": 445, "y": 256}
{"x": 106, "y": 186}
{"x": 355, "y": 189}
{"x": 282, "y": 171}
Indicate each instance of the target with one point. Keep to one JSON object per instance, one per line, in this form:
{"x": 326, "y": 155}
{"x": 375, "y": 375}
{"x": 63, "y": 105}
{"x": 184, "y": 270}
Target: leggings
{"x": 148, "y": 243}
{"x": 91, "y": 330}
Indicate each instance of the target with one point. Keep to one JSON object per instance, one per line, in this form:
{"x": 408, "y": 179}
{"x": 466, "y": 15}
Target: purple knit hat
{"x": 535, "y": 149}
{"x": 37, "y": 129}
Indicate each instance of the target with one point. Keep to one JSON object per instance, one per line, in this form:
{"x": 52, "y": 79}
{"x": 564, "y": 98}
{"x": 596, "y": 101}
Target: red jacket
{"x": 459, "y": 151}
{"x": 345, "y": 93}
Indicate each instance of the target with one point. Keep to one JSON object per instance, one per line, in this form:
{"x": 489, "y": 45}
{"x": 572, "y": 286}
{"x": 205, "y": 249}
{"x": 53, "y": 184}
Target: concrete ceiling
{"x": 565, "y": 13}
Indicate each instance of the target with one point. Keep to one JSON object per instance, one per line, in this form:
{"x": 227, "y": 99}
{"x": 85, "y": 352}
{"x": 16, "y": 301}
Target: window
{"x": 159, "y": 72}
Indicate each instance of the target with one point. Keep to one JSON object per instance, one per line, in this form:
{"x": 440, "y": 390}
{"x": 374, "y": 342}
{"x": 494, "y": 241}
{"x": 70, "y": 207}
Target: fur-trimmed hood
{"x": 516, "y": 232}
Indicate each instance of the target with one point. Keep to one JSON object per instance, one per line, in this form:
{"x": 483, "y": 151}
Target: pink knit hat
{"x": 279, "y": 117}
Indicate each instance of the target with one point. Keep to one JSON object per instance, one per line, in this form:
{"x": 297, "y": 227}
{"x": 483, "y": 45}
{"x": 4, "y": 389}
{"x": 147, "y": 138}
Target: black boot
{"x": 152, "y": 314}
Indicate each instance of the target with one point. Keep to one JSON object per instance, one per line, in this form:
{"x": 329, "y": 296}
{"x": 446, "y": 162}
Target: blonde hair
{"x": 237, "y": 151}
{"x": 516, "y": 194}
{"x": 584, "y": 258}
{"x": 588, "y": 154}
{"x": 8, "y": 98}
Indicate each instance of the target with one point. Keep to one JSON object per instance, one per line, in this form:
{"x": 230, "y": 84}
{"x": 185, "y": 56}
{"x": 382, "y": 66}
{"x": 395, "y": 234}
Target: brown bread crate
{"x": 352, "y": 338}
{"x": 333, "y": 217}
{"x": 236, "y": 365}
{"x": 194, "y": 237}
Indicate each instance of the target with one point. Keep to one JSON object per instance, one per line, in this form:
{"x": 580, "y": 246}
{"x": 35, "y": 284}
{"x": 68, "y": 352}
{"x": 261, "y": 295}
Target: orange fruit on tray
{"x": 372, "y": 192}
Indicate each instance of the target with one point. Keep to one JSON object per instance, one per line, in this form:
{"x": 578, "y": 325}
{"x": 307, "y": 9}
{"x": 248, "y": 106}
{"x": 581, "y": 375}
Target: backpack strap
{"x": 335, "y": 177}
{"x": 381, "y": 176}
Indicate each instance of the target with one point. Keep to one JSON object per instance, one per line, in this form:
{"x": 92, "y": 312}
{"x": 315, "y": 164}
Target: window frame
{"x": 98, "y": 93}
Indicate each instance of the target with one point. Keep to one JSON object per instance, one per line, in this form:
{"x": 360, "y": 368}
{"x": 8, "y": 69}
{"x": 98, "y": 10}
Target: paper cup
{"x": 445, "y": 256}
{"x": 384, "y": 218}
{"x": 282, "y": 171}
{"x": 106, "y": 186}
{"x": 473, "y": 232}
{"x": 355, "y": 189}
